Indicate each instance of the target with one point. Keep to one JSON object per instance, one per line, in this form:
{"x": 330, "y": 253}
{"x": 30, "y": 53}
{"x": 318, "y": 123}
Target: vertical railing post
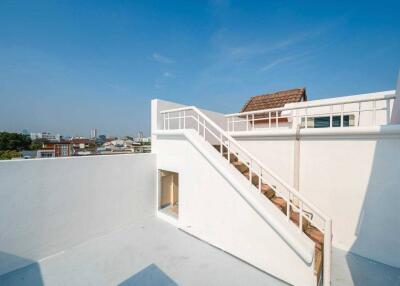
{"x": 198, "y": 123}
{"x": 164, "y": 121}
{"x": 306, "y": 118}
{"x": 327, "y": 253}
{"x": 252, "y": 123}
{"x": 288, "y": 208}
{"x": 374, "y": 113}
{"x": 184, "y": 119}
{"x": 168, "y": 121}
{"x": 227, "y": 123}
{"x": 269, "y": 115}
{"x": 260, "y": 182}
{"x": 179, "y": 118}
{"x": 341, "y": 115}
{"x": 221, "y": 146}
{"x": 229, "y": 151}
{"x": 204, "y": 128}
{"x": 251, "y": 171}
{"x": 330, "y": 116}
{"x": 301, "y": 216}
{"x": 276, "y": 119}
{"x": 247, "y": 122}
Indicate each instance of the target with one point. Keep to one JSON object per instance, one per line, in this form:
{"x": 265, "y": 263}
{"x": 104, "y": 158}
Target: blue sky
{"x": 69, "y": 66}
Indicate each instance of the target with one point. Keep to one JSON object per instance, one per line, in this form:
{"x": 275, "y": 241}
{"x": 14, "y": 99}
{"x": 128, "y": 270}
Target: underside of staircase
{"x": 311, "y": 231}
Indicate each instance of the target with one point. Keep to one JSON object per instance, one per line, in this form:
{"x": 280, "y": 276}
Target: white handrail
{"x": 310, "y": 104}
{"x": 300, "y": 113}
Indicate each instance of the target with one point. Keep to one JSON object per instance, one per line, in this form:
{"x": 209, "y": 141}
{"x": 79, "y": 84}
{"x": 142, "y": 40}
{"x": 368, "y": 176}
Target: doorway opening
{"x": 169, "y": 193}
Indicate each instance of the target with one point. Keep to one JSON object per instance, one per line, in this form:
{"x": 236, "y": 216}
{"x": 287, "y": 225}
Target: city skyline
{"x": 66, "y": 67}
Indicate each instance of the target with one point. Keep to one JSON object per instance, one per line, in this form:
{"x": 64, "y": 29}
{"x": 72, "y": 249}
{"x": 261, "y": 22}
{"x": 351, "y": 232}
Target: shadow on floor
{"x": 149, "y": 276}
{"x": 366, "y": 272}
{"x": 29, "y": 274}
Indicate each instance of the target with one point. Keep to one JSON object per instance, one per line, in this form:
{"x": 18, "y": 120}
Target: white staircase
{"x": 298, "y": 210}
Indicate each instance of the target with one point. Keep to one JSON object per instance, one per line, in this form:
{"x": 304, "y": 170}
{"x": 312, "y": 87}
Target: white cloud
{"x": 162, "y": 59}
{"x": 276, "y": 62}
{"x": 168, "y": 74}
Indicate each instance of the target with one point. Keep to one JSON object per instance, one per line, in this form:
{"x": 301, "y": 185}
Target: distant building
{"x": 143, "y": 139}
{"x": 61, "y": 149}
{"x": 93, "y": 133}
{"x": 45, "y": 153}
{"x": 45, "y": 136}
{"x": 119, "y": 146}
{"x": 83, "y": 146}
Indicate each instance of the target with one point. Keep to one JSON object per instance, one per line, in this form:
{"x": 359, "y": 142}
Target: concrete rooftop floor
{"x": 156, "y": 253}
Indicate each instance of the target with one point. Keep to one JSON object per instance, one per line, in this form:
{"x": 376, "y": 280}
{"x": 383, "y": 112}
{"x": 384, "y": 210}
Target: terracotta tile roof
{"x": 275, "y": 100}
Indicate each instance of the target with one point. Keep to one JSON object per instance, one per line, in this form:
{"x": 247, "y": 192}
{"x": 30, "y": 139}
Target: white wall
{"x": 355, "y": 180}
{"x": 351, "y": 174}
{"x": 47, "y": 205}
{"x": 211, "y": 207}
{"x": 275, "y": 152}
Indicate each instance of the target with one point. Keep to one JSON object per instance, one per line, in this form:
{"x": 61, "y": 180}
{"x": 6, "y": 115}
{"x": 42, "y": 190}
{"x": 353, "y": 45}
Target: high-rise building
{"x": 93, "y": 133}
{"x": 46, "y": 136}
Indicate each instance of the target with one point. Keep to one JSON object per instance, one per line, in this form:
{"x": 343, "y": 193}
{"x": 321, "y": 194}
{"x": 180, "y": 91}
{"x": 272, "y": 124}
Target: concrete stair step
{"x": 240, "y": 166}
{"x": 315, "y": 235}
{"x": 254, "y": 178}
{"x": 280, "y": 203}
{"x": 267, "y": 191}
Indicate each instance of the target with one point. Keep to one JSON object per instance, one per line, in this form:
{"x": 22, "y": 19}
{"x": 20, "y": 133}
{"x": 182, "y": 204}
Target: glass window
{"x": 323, "y": 122}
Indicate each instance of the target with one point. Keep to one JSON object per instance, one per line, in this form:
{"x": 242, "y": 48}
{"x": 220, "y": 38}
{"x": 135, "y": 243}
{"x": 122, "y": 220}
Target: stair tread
{"x": 315, "y": 235}
{"x": 246, "y": 173}
{"x": 279, "y": 201}
{"x": 267, "y": 191}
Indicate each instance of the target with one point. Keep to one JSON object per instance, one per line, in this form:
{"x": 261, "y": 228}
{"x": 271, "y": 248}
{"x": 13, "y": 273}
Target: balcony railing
{"x": 341, "y": 113}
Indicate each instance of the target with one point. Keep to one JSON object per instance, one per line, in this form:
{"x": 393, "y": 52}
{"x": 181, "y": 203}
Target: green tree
{"x": 37, "y": 144}
{"x": 14, "y": 141}
{"x": 9, "y": 154}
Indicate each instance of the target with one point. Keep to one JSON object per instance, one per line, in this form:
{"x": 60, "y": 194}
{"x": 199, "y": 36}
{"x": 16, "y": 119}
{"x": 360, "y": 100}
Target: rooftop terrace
{"x": 138, "y": 255}
{"x": 103, "y": 230}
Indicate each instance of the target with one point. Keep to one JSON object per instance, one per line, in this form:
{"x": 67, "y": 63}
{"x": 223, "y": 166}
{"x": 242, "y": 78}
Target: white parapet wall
{"x": 352, "y": 174}
{"x": 48, "y": 205}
